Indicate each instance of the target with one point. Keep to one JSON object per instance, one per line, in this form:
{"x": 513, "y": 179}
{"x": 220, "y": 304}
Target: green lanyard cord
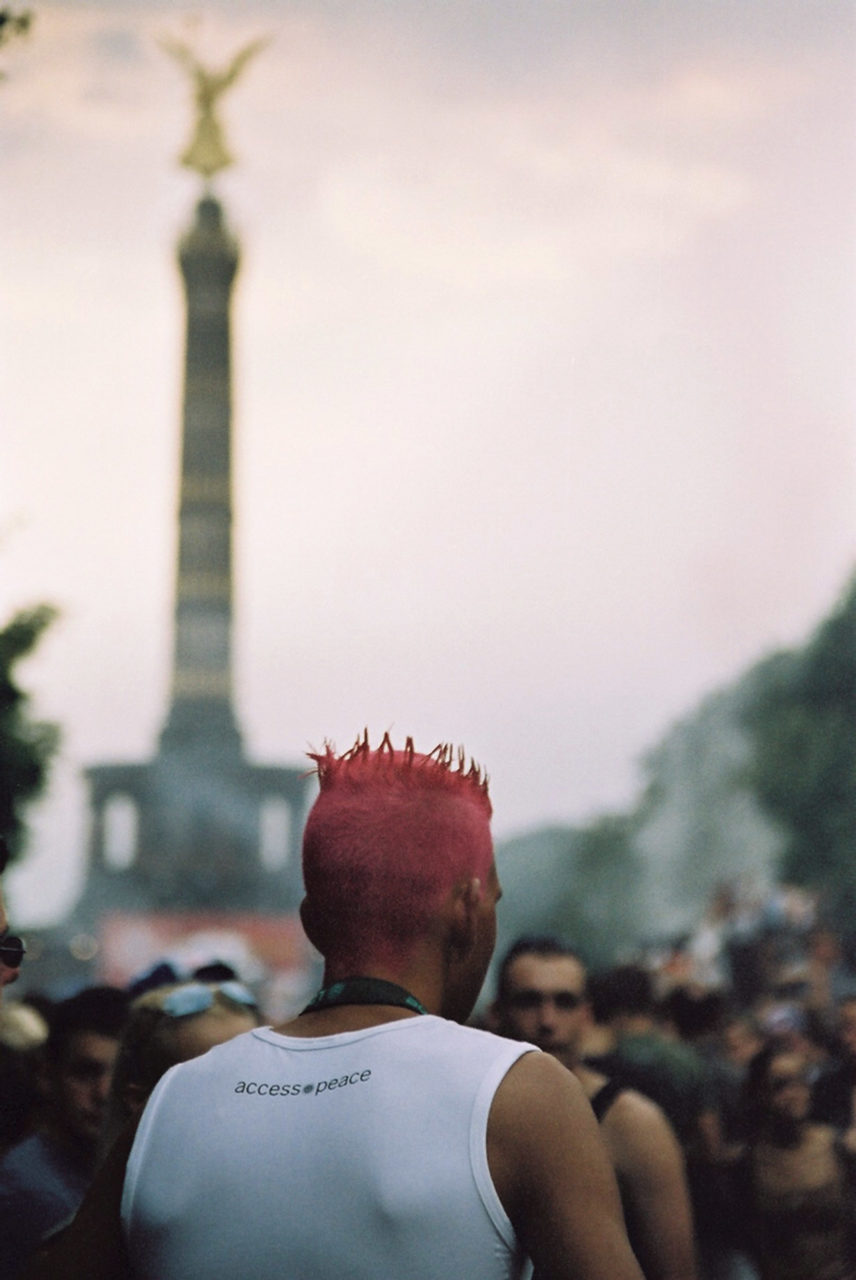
{"x": 364, "y": 991}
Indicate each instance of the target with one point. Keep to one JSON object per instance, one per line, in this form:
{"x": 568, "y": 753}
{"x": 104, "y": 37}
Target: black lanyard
{"x": 364, "y": 991}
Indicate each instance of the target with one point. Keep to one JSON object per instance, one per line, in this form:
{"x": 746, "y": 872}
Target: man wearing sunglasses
{"x": 12, "y": 949}
{"x": 541, "y": 998}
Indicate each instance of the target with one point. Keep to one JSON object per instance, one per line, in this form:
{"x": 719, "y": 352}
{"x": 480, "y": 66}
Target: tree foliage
{"x": 13, "y": 22}
{"x": 26, "y": 745}
{"x": 803, "y": 727}
{"x": 596, "y": 908}
{"x": 581, "y": 883}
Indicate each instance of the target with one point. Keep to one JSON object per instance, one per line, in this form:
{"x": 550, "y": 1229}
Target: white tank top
{"x": 358, "y": 1156}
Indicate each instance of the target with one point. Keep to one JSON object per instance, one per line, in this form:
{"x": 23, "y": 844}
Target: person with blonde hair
{"x": 167, "y": 1025}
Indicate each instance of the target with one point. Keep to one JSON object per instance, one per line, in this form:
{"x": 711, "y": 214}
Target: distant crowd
{"x": 743, "y": 1031}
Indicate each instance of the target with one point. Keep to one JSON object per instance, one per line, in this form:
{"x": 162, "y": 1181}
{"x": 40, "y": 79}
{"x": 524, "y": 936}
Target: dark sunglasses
{"x": 196, "y": 997}
{"x": 12, "y": 951}
{"x": 565, "y": 1001}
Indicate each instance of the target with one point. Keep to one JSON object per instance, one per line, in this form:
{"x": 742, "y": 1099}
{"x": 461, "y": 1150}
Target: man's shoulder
{"x": 482, "y": 1035}
{"x": 635, "y": 1107}
{"x": 486, "y": 1046}
{"x": 536, "y": 1081}
{"x": 637, "y": 1122}
{"x": 482, "y": 1050}
{"x": 537, "y": 1102}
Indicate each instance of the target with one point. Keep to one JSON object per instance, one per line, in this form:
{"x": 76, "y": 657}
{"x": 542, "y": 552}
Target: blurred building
{"x": 198, "y": 832}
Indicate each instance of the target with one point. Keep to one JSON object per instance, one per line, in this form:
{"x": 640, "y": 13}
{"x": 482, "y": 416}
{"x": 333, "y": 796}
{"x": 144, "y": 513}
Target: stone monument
{"x": 193, "y": 815}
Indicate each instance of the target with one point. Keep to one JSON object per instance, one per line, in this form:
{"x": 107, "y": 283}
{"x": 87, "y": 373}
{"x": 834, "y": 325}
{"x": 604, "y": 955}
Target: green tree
{"x": 597, "y": 907}
{"x": 13, "y": 23}
{"x": 803, "y": 727}
{"x": 26, "y": 745}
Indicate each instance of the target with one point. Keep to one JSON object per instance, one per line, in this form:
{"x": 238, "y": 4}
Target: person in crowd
{"x": 834, "y": 1091}
{"x": 12, "y": 949}
{"x": 166, "y": 1025}
{"x": 373, "y": 1134}
{"x": 708, "y": 945}
{"x": 829, "y": 975}
{"x": 795, "y": 1026}
{"x": 795, "y": 1180}
{"x": 43, "y": 1178}
{"x": 697, "y": 1017}
{"x": 741, "y": 1038}
{"x": 655, "y": 1063}
{"x": 541, "y": 997}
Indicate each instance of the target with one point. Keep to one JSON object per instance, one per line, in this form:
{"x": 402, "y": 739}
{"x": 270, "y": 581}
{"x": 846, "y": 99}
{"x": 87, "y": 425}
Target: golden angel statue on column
{"x": 207, "y": 152}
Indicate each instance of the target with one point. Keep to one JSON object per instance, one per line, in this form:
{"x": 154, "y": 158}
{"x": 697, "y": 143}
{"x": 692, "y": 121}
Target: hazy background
{"x": 543, "y": 371}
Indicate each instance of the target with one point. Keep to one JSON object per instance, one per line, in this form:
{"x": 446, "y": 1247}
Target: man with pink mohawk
{"x": 373, "y": 1136}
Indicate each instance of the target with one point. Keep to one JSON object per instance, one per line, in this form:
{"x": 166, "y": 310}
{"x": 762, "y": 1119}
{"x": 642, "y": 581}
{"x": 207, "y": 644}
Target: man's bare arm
{"x": 554, "y": 1177}
{"x": 650, "y": 1168}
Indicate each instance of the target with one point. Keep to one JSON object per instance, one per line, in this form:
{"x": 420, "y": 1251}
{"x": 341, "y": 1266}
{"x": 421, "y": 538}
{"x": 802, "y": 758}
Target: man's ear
{"x": 310, "y": 924}
{"x": 467, "y": 897}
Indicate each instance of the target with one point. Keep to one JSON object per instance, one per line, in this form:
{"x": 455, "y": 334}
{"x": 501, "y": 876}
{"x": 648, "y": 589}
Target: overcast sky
{"x": 544, "y": 408}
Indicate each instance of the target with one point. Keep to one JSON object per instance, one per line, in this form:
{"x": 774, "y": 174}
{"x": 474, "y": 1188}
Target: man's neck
{"x": 359, "y": 991}
{"x": 336, "y": 1018}
{"x": 413, "y": 973}
{"x": 342, "y": 1018}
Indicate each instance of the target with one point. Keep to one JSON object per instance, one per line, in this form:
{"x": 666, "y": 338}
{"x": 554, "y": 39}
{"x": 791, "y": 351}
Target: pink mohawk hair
{"x": 389, "y": 835}
{"x": 434, "y": 768}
